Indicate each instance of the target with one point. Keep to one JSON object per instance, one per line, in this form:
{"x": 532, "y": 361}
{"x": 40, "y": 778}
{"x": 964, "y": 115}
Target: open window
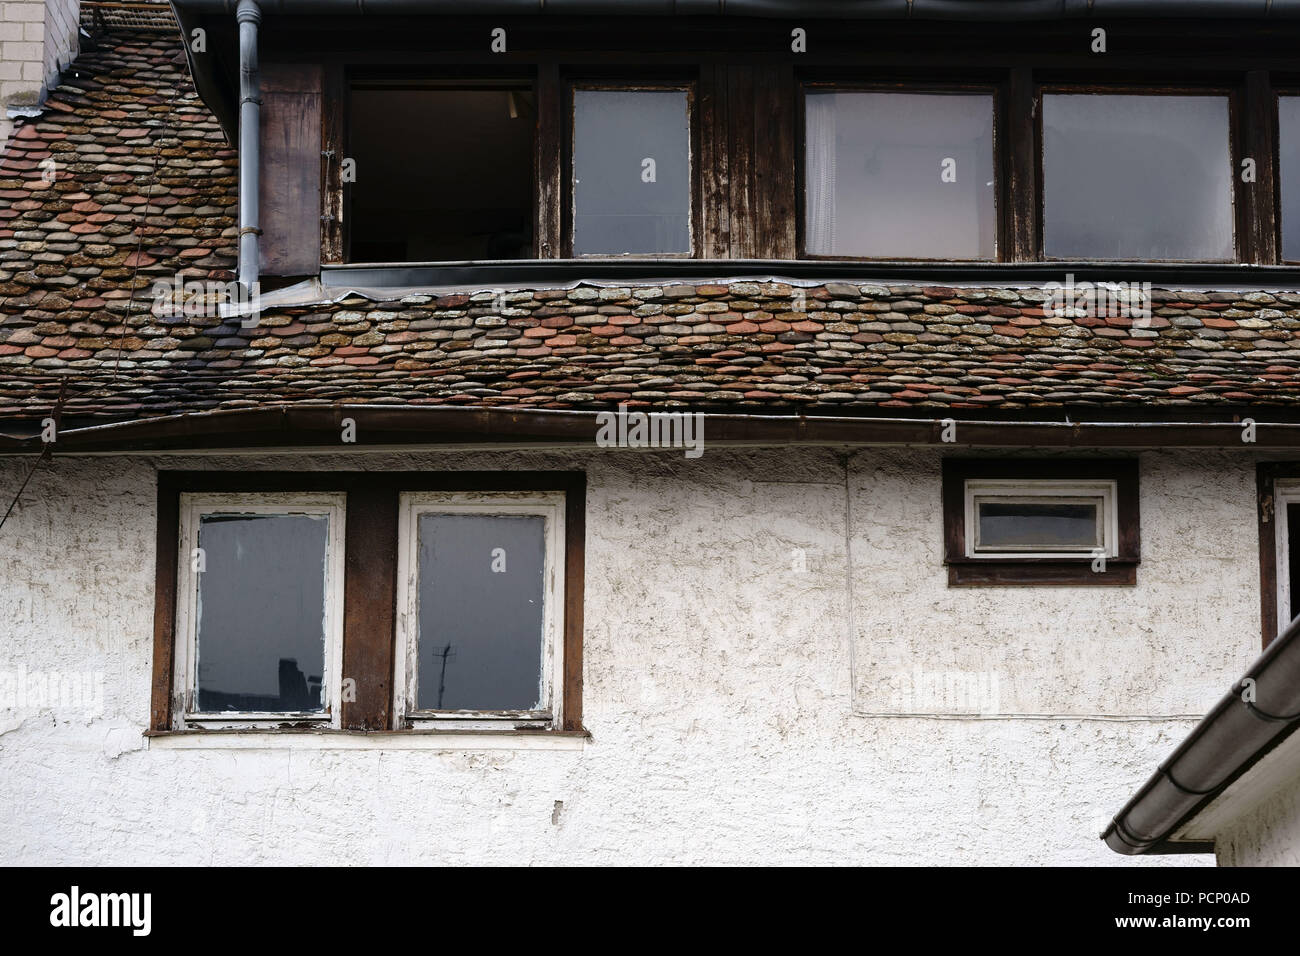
{"x": 443, "y": 172}
{"x": 1040, "y": 522}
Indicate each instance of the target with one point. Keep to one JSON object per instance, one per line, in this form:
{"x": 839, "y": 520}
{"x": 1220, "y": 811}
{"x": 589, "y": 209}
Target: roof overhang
{"x": 1255, "y": 718}
{"x": 384, "y": 426}
{"x": 992, "y": 10}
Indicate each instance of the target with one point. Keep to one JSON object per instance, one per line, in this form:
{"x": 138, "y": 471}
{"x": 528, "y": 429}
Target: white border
{"x": 549, "y": 506}
{"x": 1017, "y": 488}
{"x": 192, "y": 508}
{"x": 1285, "y": 491}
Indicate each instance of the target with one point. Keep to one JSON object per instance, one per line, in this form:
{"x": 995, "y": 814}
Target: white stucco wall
{"x": 717, "y": 680}
{"x": 1269, "y": 835}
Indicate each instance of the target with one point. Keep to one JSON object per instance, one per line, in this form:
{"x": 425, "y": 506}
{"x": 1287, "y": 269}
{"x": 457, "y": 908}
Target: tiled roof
{"x": 72, "y": 249}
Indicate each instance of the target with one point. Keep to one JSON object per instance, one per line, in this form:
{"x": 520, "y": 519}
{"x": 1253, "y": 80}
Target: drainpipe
{"x": 249, "y": 16}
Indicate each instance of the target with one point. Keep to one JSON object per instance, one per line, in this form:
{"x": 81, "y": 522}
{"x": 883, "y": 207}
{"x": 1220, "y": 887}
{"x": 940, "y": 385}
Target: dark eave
{"x": 320, "y": 428}
{"x": 991, "y": 10}
{"x": 1231, "y": 739}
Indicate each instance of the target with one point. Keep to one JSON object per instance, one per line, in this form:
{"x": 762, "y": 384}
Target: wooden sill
{"x": 1010, "y": 572}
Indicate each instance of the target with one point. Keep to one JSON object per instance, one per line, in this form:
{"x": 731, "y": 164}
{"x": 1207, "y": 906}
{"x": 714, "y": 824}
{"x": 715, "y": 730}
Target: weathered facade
{"x": 788, "y": 648}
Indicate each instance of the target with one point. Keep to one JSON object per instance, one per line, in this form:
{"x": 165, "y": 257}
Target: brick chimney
{"x": 38, "y": 39}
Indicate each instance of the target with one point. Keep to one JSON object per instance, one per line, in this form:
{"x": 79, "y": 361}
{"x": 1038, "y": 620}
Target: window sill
{"x": 1043, "y": 572}
{"x": 335, "y": 279}
{"x": 312, "y": 739}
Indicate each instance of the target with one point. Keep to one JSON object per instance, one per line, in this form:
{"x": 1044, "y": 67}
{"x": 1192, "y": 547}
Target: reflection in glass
{"x": 260, "y": 638}
{"x": 1136, "y": 177}
{"x": 631, "y": 172}
{"x": 1038, "y": 525}
{"x": 1288, "y": 108}
{"x": 899, "y": 175}
{"x": 480, "y": 581}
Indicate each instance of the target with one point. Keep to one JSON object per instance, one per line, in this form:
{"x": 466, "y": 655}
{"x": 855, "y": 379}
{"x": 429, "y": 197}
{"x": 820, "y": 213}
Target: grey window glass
{"x": 261, "y": 612}
{"x": 1288, "y": 108}
{"x": 480, "y": 611}
{"x": 1038, "y": 525}
{"x": 899, "y": 175}
{"x": 1136, "y": 177}
{"x": 631, "y": 172}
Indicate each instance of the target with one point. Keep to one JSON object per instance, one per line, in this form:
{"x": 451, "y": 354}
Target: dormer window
{"x": 443, "y": 171}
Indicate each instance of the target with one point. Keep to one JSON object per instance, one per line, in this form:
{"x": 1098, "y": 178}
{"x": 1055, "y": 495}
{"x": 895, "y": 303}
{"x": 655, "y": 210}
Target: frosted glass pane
{"x": 481, "y": 611}
{"x": 1136, "y": 177}
{"x": 1289, "y": 147}
{"x": 261, "y": 612}
{"x": 900, "y": 175}
{"x": 631, "y": 172}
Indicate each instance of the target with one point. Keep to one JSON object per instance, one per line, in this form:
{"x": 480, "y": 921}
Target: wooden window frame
{"x": 1120, "y": 567}
{"x": 628, "y": 81}
{"x": 549, "y": 506}
{"x": 818, "y": 83}
{"x": 1272, "y": 576}
{"x": 345, "y": 82}
{"x": 369, "y": 579}
{"x": 193, "y": 507}
{"x": 749, "y": 81}
{"x": 1238, "y": 196}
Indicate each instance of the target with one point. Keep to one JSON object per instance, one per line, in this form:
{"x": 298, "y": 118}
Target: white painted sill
{"x": 358, "y": 740}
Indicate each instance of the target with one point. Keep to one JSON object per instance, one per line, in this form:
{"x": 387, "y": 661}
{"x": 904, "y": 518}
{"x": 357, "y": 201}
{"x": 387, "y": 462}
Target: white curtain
{"x": 819, "y": 172}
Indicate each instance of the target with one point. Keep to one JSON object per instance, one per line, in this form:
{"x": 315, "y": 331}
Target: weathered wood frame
{"x": 748, "y": 82}
{"x": 1120, "y": 569}
{"x": 369, "y": 574}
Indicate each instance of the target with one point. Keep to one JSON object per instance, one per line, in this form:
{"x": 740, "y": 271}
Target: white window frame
{"x": 549, "y": 506}
{"x": 193, "y": 507}
{"x": 1285, "y": 491}
{"x": 1065, "y": 492}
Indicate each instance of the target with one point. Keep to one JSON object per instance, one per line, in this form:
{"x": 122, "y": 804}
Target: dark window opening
{"x": 441, "y": 174}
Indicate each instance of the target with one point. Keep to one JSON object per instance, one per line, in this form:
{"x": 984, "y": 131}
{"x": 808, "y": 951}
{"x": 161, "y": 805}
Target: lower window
{"x": 365, "y": 601}
{"x": 1040, "y": 522}
{"x": 259, "y": 622}
{"x": 479, "y": 589}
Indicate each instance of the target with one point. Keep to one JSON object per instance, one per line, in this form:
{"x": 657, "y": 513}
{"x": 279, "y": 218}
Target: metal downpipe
{"x": 249, "y": 16}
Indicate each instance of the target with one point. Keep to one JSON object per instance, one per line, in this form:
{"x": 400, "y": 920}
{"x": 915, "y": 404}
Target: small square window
{"x": 480, "y": 598}
{"x": 259, "y": 622}
{"x": 893, "y": 175}
{"x": 631, "y": 172}
{"x": 1065, "y": 521}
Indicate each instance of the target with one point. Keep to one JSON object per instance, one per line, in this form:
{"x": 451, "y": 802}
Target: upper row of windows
{"x": 882, "y": 174}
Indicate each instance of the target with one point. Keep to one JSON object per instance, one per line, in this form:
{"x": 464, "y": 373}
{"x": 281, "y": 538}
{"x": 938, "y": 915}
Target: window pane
{"x": 1136, "y": 177}
{"x": 480, "y": 612}
{"x": 261, "y": 612}
{"x": 1038, "y": 525}
{"x": 442, "y": 174}
{"x": 1288, "y": 108}
{"x": 900, "y": 175}
{"x": 631, "y": 172}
